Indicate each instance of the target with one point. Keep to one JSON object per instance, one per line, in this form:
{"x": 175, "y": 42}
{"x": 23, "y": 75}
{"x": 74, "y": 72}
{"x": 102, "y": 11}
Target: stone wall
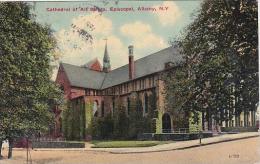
{"x": 57, "y": 144}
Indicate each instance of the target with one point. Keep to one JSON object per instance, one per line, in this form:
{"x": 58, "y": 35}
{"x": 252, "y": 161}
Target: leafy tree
{"x": 26, "y": 92}
{"x": 149, "y": 125}
{"x": 73, "y": 120}
{"x": 107, "y": 127}
{"x": 102, "y": 128}
{"x": 82, "y": 119}
{"x": 177, "y": 89}
{"x": 65, "y": 120}
{"x": 136, "y": 120}
{"x": 121, "y": 121}
{"x": 221, "y": 63}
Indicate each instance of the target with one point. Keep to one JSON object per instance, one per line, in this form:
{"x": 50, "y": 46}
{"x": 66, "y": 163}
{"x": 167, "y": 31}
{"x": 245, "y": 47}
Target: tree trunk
{"x": 10, "y": 150}
{"x": 203, "y": 121}
{"x": 1, "y": 142}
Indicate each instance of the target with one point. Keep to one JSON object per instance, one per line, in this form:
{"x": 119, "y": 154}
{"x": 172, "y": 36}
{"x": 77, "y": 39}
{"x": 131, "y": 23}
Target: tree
{"x": 73, "y": 119}
{"x": 177, "y": 94}
{"x": 136, "y": 119}
{"x": 221, "y": 63}
{"x": 120, "y": 120}
{"x": 26, "y": 92}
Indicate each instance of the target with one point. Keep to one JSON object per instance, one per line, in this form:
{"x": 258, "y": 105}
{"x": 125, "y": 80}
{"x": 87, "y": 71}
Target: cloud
{"x": 72, "y": 46}
{"x": 75, "y": 50}
{"x": 169, "y": 16}
{"x": 102, "y": 25}
{"x": 142, "y": 35}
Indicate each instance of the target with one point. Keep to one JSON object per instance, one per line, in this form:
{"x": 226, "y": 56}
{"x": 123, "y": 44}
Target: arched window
{"x": 95, "y": 108}
{"x": 146, "y": 103}
{"x": 128, "y": 105}
{"x": 113, "y": 106}
{"x": 102, "y": 109}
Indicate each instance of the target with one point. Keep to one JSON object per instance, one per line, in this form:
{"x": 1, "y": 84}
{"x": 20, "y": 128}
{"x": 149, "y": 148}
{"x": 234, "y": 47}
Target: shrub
{"x": 74, "y": 120}
{"x": 121, "y": 123}
{"x": 106, "y": 127}
{"x": 102, "y": 128}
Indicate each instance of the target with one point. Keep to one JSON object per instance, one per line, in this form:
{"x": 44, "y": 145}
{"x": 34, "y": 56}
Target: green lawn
{"x": 124, "y": 144}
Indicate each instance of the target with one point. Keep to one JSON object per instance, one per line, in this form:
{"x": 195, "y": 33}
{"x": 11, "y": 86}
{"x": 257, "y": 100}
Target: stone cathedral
{"x": 98, "y": 86}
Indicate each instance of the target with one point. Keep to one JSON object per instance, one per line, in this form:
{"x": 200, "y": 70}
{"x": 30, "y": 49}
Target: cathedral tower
{"x": 106, "y": 60}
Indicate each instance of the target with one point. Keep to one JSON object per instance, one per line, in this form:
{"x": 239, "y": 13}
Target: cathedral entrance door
{"x": 166, "y": 123}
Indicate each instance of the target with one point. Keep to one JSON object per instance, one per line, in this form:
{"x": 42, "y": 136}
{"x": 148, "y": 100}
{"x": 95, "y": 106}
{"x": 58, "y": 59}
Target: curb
{"x": 216, "y": 142}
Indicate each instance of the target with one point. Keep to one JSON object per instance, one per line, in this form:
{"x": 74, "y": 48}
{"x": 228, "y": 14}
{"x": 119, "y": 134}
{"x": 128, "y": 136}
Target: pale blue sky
{"x": 59, "y": 20}
{"x": 148, "y": 31}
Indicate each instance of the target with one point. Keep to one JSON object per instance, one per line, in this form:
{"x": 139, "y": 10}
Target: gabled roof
{"x": 148, "y": 65}
{"x": 83, "y": 77}
{"x": 86, "y": 78}
{"x": 91, "y": 62}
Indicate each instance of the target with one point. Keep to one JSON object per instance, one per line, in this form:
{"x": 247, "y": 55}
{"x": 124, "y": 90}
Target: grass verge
{"x": 125, "y": 144}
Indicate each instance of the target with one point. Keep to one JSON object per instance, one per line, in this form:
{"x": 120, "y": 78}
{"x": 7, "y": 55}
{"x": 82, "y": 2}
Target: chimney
{"x": 131, "y": 64}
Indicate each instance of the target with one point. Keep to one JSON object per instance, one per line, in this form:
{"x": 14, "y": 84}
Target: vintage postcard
{"x": 129, "y": 82}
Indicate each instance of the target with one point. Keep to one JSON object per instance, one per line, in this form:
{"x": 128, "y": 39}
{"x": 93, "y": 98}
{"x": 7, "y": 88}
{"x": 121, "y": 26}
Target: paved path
{"x": 164, "y": 147}
{"x": 179, "y": 144}
{"x": 244, "y": 151}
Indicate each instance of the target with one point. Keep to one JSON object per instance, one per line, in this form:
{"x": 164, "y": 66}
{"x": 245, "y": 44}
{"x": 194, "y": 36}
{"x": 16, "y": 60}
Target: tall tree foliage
{"x": 73, "y": 119}
{"x": 221, "y": 68}
{"x": 120, "y": 120}
{"x": 136, "y": 120}
{"x": 26, "y": 92}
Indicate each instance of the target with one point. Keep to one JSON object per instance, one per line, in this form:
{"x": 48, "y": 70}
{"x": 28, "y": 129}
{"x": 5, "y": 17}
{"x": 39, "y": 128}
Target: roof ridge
{"x": 142, "y": 58}
{"x": 125, "y": 64}
{"x": 82, "y": 67}
{"x": 154, "y": 53}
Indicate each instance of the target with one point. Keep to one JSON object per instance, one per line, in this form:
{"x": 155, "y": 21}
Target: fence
{"x": 181, "y": 130}
{"x": 49, "y": 139}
